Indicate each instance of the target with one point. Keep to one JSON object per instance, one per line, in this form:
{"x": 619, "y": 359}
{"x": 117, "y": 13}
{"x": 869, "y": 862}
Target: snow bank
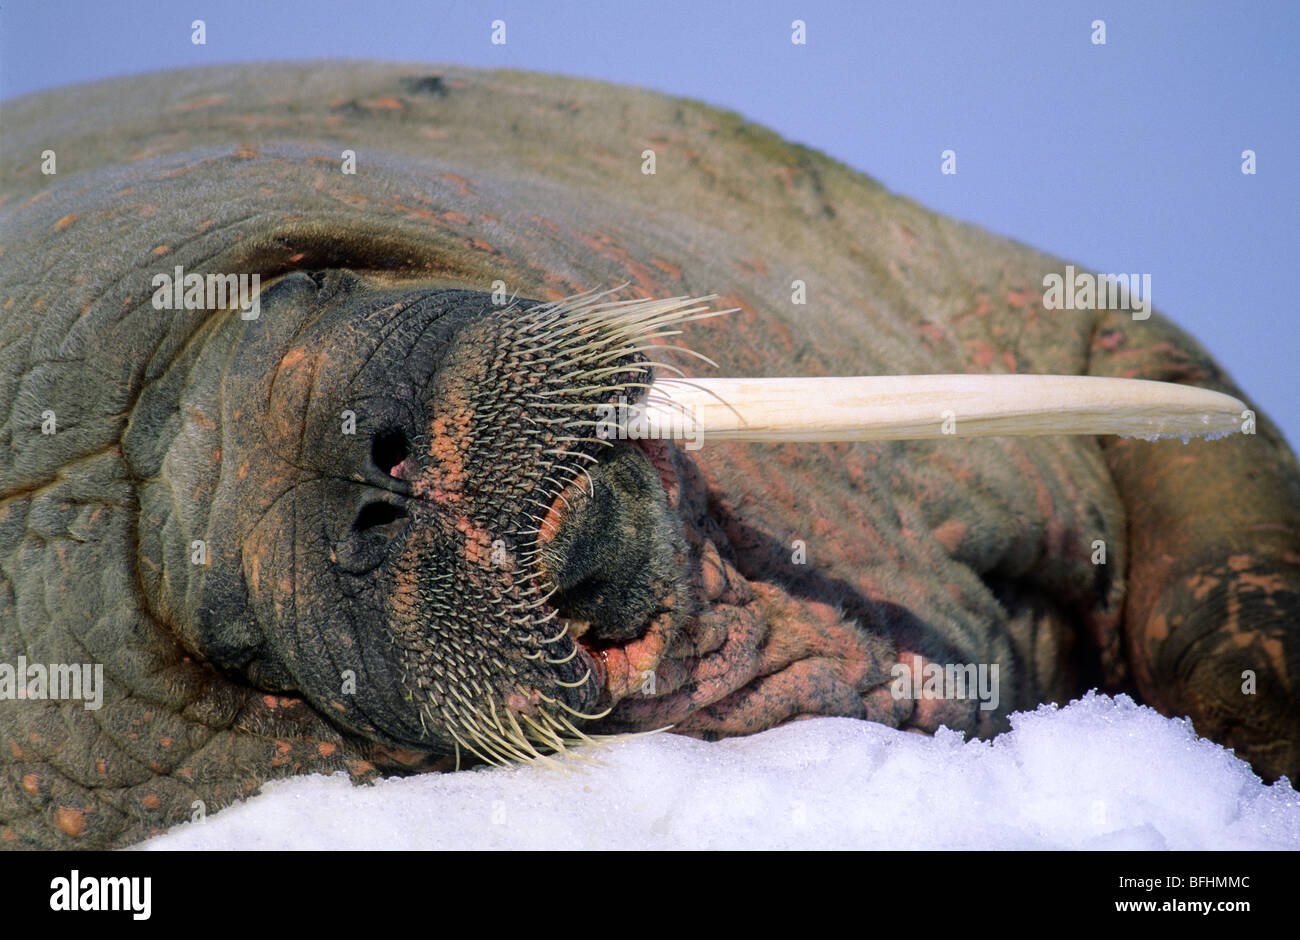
{"x": 1100, "y": 773}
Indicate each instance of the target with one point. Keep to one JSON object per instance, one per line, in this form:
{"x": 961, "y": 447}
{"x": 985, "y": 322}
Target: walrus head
{"x": 371, "y": 500}
{"x": 444, "y": 545}
{"x": 446, "y": 552}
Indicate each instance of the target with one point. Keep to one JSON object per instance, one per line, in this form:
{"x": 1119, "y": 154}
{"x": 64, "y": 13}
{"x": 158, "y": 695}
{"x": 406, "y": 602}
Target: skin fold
{"x": 462, "y": 558}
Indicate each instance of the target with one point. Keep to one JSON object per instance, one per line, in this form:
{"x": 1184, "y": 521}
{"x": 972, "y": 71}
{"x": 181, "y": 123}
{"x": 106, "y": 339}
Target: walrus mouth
{"x": 612, "y": 548}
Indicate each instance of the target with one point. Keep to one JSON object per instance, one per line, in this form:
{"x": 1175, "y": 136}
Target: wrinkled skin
{"x": 723, "y": 590}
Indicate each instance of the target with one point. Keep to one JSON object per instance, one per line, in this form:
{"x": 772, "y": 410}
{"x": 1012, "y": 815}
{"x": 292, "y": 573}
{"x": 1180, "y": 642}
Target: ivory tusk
{"x": 913, "y": 407}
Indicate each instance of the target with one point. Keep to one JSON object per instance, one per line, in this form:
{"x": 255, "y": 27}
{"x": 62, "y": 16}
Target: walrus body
{"x": 271, "y": 592}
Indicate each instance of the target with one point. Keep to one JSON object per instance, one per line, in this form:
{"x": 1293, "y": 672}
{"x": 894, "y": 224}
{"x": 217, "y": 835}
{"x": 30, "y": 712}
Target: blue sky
{"x": 1122, "y": 157}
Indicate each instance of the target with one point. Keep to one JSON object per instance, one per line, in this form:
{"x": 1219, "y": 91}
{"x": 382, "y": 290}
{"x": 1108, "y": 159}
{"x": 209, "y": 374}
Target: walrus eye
{"x": 377, "y": 515}
{"x": 389, "y": 449}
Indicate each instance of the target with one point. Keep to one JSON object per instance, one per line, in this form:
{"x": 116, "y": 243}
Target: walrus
{"x": 363, "y": 517}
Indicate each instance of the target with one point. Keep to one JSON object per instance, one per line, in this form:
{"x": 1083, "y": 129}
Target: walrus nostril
{"x": 388, "y": 449}
{"x": 378, "y": 514}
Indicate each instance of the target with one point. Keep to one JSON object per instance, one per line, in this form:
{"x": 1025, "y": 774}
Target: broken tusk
{"x": 912, "y": 407}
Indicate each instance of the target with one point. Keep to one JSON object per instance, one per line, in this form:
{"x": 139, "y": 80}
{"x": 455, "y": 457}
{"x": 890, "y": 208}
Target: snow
{"x": 1100, "y": 773}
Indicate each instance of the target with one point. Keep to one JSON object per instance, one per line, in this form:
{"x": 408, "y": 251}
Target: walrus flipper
{"x": 1212, "y": 616}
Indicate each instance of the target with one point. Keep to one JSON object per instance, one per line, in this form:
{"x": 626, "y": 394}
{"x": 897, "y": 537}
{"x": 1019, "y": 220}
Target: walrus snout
{"x": 388, "y": 452}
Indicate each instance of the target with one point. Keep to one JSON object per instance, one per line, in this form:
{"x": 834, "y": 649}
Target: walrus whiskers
{"x": 578, "y": 683}
{"x": 560, "y": 662}
{"x": 584, "y": 716}
{"x": 545, "y": 734}
{"x": 564, "y": 631}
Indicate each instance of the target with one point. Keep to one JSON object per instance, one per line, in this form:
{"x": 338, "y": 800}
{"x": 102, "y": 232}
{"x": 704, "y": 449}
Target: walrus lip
{"x": 619, "y": 670}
